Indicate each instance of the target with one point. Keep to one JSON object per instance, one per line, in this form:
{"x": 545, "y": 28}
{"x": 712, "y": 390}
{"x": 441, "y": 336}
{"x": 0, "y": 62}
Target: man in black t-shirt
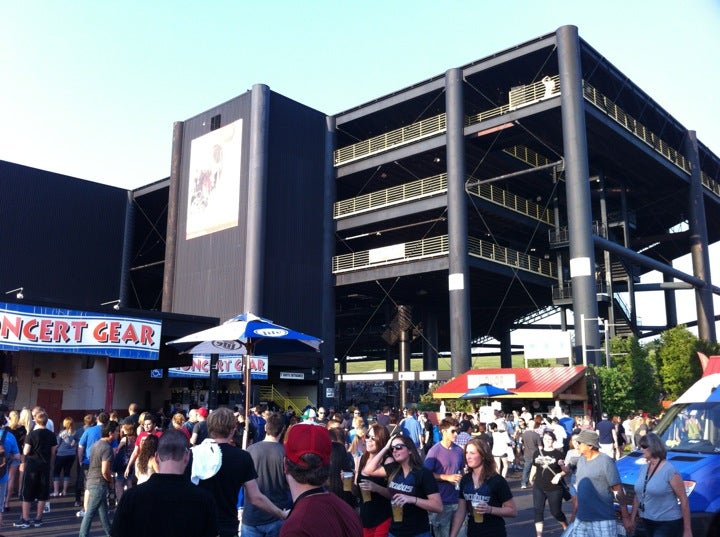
{"x": 38, "y": 451}
{"x": 223, "y": 476}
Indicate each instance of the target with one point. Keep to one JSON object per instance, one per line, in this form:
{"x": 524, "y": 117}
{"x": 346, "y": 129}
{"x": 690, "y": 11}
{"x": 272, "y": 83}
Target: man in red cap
{"x": 307, "y": 466}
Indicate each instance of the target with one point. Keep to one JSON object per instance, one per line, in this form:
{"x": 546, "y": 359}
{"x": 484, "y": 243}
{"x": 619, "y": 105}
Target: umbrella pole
{"x": 246, "y": 375}
{"x": 212, "y": 396}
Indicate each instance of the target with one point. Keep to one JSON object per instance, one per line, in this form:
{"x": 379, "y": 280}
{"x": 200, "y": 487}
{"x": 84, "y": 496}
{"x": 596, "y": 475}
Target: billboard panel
{"x": 214, "y": 181}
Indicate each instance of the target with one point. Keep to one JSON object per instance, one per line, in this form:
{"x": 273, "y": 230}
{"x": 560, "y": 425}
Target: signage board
{"x": 46, "y": 329}
{"x": 229, "y": 367}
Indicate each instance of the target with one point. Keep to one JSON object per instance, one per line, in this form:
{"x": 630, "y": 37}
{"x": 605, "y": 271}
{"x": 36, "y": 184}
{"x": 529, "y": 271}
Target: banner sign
{"x": 38, "y": 328}
{"x": 229, "y": 367}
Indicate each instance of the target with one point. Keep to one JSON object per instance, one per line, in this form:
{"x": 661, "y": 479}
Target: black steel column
{"x": 506, "y": 349}
{"x": 577, "y": 188}
{"x": 172, "y": 230}
{"x": 326, "y": 386}
{"x": 458, "y": 278}
{"x": 257, "y": 183}
{"x": 699, "y": 243}
{"x": 670, "y": 303}
{"x": 430, "y": 341}
{"x": 404, "y": 359}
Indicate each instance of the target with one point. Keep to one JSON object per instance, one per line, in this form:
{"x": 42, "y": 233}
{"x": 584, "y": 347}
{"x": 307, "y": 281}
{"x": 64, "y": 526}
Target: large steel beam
{"x": 257, "y": 187}
{"x": 577, "y": 189}
{"x": 699, "y": 243}
{"x": 459, "y": 270}
{"x": 327, "y": 350}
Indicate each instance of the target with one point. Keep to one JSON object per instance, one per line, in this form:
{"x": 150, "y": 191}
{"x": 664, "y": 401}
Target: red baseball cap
{"x": 308, "y": 438}
{"x": 203, "y": 411}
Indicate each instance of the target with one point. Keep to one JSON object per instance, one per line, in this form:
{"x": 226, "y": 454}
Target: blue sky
{"x": 91, "y": 89}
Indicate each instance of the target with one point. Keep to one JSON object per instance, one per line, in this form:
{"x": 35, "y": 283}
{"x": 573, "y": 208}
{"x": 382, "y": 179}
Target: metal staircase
{"x": 269, "y": 393}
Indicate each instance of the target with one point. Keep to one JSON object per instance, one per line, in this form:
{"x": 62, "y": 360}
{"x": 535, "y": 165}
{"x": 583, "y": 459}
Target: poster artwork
{"x": 214, "y": 181}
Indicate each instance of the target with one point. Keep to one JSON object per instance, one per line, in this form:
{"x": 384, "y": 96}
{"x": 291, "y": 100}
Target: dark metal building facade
{"x": 527, "y": 183}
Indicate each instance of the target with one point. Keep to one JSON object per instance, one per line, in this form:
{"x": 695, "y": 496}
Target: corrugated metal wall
{"x": 208, "y": 269}
{"x": 209, "y": 272}
{"x": 61, "y": 237}
{"x": 293, "y": 250}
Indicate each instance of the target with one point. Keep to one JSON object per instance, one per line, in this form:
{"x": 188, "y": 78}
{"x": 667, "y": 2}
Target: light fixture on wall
{"x": 116, "y": 304}
{"x": 19, "y": 292}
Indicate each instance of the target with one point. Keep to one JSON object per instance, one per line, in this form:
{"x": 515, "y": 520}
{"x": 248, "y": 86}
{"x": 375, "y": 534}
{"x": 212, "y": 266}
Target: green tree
{"x": 678, "y": 364}
{"x": 633, "y": 361}
{"x": 615, "y": 385}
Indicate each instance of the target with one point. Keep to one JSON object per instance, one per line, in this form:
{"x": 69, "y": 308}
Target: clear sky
{"x": 91, "y": 88}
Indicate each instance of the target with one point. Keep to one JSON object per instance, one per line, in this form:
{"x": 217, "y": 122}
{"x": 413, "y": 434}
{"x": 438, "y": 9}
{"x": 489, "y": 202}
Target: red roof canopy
{"x": 710, "y": 364}
{"x": 531, "y": 383}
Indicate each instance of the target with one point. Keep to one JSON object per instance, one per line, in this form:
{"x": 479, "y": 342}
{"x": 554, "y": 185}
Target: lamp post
{"x": 582, "y": 333}
{"x": 606, "y": 328}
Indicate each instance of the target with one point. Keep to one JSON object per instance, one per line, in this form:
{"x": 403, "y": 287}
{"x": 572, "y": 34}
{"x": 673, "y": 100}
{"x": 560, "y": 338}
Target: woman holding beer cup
{"x": 375, "y": 512}
{"x": 485, "y": 496}
{"x": 413, "y": 487}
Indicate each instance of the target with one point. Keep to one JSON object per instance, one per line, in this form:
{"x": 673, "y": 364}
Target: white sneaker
{"x": 80, "y": 513}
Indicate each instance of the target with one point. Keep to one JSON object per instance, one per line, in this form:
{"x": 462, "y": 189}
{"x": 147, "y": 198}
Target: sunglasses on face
{"x": 644, "y": 446}
{"x": 397, "y": 447}
{"x": 369, "y": 438}
{"x": 453, "y": 431}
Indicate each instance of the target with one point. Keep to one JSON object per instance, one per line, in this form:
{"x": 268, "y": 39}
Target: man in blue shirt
{"x": 411, "y": 427}
{"x": 445, "y": 460}
{"x": 11, "y": 452}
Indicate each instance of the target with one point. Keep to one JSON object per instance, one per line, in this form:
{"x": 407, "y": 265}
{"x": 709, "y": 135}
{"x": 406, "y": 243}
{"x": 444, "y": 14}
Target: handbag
{"x": 566, "y": 491}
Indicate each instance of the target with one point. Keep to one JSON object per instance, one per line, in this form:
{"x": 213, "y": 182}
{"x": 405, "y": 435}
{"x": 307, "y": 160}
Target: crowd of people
{"x": 327, "y": 473}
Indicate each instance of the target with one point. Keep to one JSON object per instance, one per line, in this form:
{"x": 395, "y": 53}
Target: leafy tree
{"x": 615, "y": 387}
{"x": 678, "y": 365}
{"x": 633, "y": 361}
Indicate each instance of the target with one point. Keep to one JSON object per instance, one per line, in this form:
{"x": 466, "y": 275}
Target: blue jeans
{"x": 666, "y": 528}
{"x": 97, "y": 503}
{"x": 526, "y": 471}
{"x": 440, "y": 522}
{"x": 263, "y": 530}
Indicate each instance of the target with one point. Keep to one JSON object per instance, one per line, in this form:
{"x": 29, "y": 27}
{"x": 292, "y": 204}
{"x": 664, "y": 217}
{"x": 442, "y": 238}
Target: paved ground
{"x": 62, "y": 522}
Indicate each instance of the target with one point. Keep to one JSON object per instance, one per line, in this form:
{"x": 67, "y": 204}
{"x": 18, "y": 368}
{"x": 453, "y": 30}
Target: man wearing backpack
{"x": 8, "y": 451}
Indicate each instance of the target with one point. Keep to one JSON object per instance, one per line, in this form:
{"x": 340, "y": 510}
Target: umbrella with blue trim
{"x": 485, "y": 391}
{"x": 247, "y": 334}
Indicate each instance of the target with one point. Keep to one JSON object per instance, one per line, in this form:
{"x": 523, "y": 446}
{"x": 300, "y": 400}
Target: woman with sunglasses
{"x": 484, "y": 488}
{"x": 413, "y": 487}
{"x": 660, "y": 506}
{"x": 375, "y": 513}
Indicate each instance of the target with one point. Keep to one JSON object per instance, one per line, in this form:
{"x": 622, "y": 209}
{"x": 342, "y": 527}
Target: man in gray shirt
{"x": 268, "y": 456}
{"x": 598, "y": 481}
{"x": 99, "y": 478}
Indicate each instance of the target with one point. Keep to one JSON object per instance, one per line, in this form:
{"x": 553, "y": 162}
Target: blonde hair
{"x": 25, "y": 418}
{"x": 68, "y": 424}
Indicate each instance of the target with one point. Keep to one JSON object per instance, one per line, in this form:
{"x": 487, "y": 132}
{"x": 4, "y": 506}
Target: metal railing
{"x": 510, "y": 201}
{"x": 519, "y": 96}
{"x": 512, "y": 258}
{"x": 527, "y": 155}
{"x": 438, "y": 246}
{"x": 411, "y": 133}
{"x": 428, "y": 186}
{"x": 269, "y": 393}
{"x": 528, "y": 94}
{"x": 431, "y": 186}
{"x": 634, "y": 126}
{"x": 412, "y": 251}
